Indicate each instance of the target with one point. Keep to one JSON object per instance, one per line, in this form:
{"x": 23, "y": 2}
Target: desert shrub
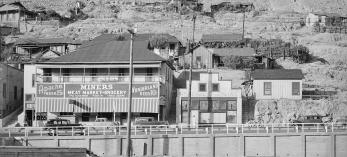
{"x": 158, "y": 41}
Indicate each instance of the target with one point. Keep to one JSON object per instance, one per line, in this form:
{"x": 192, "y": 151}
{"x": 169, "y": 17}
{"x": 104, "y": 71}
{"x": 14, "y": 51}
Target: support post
{"x": 212, "y": 146}
{"x": 333, "y": 145}
{"x": 150, "y": 146}
{"x": 242, "y": 145}
{"x": 303, "y": 145}
{"x": 180, "y": 146}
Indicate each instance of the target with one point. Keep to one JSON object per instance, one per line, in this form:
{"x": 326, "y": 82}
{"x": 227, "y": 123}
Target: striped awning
{"x": 79, "y": 105}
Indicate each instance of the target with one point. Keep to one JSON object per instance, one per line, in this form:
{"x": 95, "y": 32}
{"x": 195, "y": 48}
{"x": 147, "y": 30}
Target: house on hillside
{"x": 277, "y": 84}
{"x": 325, "y": 19}
{"x": 11, "y": 89}
{"x": 214, "y": 101}
{"x": 93, "y": 82}
{"x": 12, "y": 13}
{"x": 31, "y": 49}
{"x": 213, "y": 57}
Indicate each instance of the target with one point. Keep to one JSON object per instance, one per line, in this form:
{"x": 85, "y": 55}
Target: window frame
{"x": 204, "y": 84}
{"x": 298, "y": 89}
{"x": 213, "y": 85}
{"x": 270, "y": 89}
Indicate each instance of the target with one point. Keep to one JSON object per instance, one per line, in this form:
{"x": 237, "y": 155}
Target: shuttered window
{"x": 267, "y": 88}
{"x": 295, "y": 88}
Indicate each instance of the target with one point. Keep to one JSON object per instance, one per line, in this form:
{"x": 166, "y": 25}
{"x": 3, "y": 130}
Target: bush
{"x": 158, "y": 41}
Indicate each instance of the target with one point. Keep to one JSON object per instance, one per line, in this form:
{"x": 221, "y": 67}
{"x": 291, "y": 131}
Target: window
{"x": 15, "y": 93}
{"x": 231, "y": 117}
{"x": 33, "y": 79}
{"x": 203, "y": 105}
{"x": 215, "y": 87}
{"x": 195, "y": 105}
{"x": 198, "y": 59}
{"x": 202, "y": 87}
{"x": 29, "y": 97}
{"x": 4, "y": 89}
{"x": 41, "y": 116}
{"x": 66, "y": 113}
{"x": 215, "y": 105}
{"x": 232, "y": 105}
{"x": 184, "y": 105}
{"x": 267, "y": 88}
{"x": 296, "y": 88}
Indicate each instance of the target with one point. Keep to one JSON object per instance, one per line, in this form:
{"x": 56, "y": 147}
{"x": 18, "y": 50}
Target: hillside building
{"x": 277, "y": 84}
{"x": 214, "y": 101}
{"x": 11, "y": 98}
{"x": 93, "y": 82}
{"x": 12, "y": 13}
{"x": 325, "y": 19}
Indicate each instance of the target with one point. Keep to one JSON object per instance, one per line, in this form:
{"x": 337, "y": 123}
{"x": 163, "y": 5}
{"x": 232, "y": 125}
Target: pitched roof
{"x": 13, "y": 6}
{"x": 111, "y": 51}
{"x": 277, "y": 74}
{"x": 44, "y": 41}
{"x": 138, "y": 37}
{"x": 221, "y": 37}
{"x": 244, "y": 52}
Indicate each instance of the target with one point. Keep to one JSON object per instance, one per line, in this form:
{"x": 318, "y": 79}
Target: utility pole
{"x": 191, "y": 72}
{"x": 243, "y": 24}
{"x": 132, "y": 33}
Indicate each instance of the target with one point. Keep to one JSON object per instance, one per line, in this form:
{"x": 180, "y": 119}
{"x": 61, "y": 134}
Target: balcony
{"x": 98, "y": 78}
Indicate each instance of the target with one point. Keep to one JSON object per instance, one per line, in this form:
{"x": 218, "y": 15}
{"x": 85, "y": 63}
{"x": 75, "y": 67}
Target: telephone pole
{"x": 128, "y": 153}
{"x": 191, "y": 72}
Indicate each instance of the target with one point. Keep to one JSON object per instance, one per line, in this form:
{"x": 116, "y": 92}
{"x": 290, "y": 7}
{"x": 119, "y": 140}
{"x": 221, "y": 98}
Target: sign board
{"x": 99, "y": 90}
{"x": 50, "y": 90}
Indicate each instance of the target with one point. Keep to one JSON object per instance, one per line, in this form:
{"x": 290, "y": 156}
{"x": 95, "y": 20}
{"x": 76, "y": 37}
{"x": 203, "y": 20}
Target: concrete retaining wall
{"x": 220, "y": 145}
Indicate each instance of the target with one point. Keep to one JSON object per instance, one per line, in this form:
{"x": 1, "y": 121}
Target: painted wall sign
{"x": 50, "y": 90}
{"x": 98, "y": 90}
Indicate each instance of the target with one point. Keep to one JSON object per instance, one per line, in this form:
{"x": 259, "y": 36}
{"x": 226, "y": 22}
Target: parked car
{"x": 341, "y": 121}
{"x": 309, "y": 120}
{"x": 55, "y": 126}
{"x": 144, "y": 122}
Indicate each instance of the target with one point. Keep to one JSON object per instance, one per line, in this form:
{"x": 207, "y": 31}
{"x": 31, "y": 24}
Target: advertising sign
{"x": 97, "y": 90}
{"x": 50, "y": 90}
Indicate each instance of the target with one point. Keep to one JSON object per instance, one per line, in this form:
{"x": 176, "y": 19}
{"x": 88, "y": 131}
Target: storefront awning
{"x": 143, "y": 105}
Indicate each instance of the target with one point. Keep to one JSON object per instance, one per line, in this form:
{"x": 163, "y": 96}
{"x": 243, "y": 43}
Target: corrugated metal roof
{"x": 111, "y": 51}
{"x": 221, "y": 37}
{"x": 44, "y": 41}
{"x": 277, "y": 74}
{"x": 244, "y": 52}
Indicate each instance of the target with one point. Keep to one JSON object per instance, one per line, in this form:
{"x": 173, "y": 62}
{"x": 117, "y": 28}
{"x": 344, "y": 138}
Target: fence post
{"x": 150, "y": 129}
{"x": 56, "y": 130}
{"x": 318, "y": 127}
{"x": 9, "y": 132}
{"x": 332, "y": 127}
{"x": 181, "y": 129}
{"x": 72, "y": 130}
{"x": 303, "y": 127}
{"x": 242, "y": 128}
{"x": 212, "y": 129}
{"x": 88, "y": 130}
{"x": 41, "y": 131}
{"x": 104, "y": 130}
{"x": 227, "y": 128}
{"x": 176, "y": 130}
{"x": 257, "y": 128}
{"x": 135, "y": 129}
{"x": 196, "y": 130}
{"x": 272, "y": 128}
{"x": 166, "y": 129}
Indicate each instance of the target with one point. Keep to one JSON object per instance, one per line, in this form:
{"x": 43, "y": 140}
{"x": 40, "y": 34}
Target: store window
{"x": 204, "y": 106}
{"x": 231, "y": 117}
{"x": 195, "y": 105}
{"x": 267, "y": 88}
{"x": 202, "y": 87}
{"x": 184, "y": 105}
{"x": 231, "y": 105}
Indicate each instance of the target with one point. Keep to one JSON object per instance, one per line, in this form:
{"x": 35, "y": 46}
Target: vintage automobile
{"x": 145, "y": 122}
{"x": 63, "y": 126}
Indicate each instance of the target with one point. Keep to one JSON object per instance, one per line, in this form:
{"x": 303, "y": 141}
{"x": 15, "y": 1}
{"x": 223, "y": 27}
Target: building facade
{"x": 12, "y": 13}
{"x": 11, "y": 99}
{"x": 214, "y": 101}
{"x": 277, "y": 84}
{"x": 94, "y": 82}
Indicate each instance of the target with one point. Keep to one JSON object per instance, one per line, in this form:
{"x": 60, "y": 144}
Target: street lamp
{"x": 132, "y": 33}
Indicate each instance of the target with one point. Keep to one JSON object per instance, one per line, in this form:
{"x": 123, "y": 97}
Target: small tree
{"x": 233, "y": 62}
